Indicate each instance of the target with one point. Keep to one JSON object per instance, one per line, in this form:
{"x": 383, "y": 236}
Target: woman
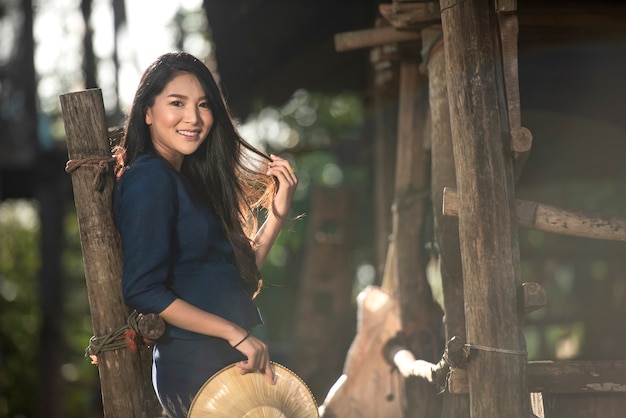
{"x": 188, "y": 185}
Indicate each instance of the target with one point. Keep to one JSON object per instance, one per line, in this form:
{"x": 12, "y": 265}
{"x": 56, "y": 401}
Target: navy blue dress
{"x": 174, "y": 247}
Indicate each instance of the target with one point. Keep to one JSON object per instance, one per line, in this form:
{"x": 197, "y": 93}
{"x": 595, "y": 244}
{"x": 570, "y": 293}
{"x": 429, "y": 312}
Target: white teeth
{"x": 188, "y": 133}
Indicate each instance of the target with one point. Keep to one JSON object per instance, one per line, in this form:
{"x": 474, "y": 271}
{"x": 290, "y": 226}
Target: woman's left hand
{"x": 287, "y": 183}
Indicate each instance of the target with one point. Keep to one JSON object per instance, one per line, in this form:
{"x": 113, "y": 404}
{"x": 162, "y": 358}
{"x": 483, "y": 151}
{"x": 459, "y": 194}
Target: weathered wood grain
{"x": 125, "y": 392}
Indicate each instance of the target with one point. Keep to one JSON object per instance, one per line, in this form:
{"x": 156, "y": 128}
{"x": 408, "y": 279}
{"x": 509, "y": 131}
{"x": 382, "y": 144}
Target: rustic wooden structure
{"x": 417, "y": 22}
{"x": 420, "y": 316}
{"x": 124, "y": 371}
{"x": 475, "y": 116}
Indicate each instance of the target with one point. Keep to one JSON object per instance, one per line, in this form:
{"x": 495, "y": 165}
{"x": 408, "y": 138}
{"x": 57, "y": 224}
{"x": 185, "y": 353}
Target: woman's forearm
{"x": 265, "y": 238}
{"x": 186, "y": 316}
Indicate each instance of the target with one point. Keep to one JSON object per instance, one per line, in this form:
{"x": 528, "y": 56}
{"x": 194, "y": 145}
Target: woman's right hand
{"x": 258, "y": 356}
{"x": 184, "y": 315}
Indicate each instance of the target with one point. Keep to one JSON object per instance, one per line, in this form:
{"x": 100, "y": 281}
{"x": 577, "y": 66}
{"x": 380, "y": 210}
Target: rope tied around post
{"x": 100, "y": 166}
{"x": 128, "y": 336}
{"x": 397, "y": 354}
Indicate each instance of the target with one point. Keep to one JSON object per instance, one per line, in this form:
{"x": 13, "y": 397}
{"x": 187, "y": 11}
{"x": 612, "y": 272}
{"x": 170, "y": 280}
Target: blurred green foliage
{"x": 19, "y": 306}
{"x": 20, "y": 315}
{"x": 305, "y": 130}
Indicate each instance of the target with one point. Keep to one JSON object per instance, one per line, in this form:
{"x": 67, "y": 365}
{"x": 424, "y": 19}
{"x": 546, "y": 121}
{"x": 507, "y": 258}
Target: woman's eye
{"x": 177, "y": 103}
{"x": 205, "y": 105}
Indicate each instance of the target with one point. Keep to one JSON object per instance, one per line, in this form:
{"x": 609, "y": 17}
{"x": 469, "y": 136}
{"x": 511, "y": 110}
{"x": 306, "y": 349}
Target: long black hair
{"x": 225, "y": 170}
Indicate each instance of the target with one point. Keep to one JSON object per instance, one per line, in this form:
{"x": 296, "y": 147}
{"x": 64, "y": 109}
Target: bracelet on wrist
{"x": 243, "y": 339}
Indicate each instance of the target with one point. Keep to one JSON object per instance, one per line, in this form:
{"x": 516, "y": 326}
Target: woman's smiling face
{"x": 180, "y": 119}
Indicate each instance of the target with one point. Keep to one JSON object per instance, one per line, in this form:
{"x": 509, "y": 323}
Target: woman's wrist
{"x": 245, "y": 337}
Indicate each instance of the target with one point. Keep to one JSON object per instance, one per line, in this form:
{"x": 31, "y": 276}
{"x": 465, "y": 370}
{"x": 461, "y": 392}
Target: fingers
{"x": 258, "y": 359}
{"x": 280, "y": 167}
{"x": 287, "y": 184}
{"x": 271, "y": 375}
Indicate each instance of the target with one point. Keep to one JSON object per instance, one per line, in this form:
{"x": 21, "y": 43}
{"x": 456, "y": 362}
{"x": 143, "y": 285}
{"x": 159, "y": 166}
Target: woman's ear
{"x": 148, "y": 113}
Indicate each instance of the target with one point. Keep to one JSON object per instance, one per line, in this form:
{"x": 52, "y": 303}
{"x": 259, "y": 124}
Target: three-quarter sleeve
{"x": 145, "y": 210}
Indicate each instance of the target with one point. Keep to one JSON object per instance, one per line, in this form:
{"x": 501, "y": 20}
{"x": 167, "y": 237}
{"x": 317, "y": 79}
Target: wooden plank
{"x": 563, "y": 377}
{"x": 487, "y": 227}
{"x": 604, "y": 405}
{"x": 577, "y": 376}
{"x": 368, "y": 38}
{"x": 124, "y": 393}
{"x": 446, "y": 228}
{"x": 541, "y": 217}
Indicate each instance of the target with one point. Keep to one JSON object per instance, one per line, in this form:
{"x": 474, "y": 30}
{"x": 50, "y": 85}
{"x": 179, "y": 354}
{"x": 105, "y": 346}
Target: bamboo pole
{"x": 121, "y": 371}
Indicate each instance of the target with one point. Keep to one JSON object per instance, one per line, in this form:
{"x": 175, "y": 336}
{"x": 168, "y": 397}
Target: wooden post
{"x": 385, "y": 119}
{"x": 123, "y": 391}
{"x": 446, "y": 228}
{"x": 420, "y": 315}
{"x": 487, "y": 226}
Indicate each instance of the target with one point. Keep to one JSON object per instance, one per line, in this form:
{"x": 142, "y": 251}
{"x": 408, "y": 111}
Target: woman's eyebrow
{"x": 182, "y": 96}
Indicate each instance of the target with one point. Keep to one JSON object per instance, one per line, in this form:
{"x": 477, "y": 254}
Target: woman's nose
{"x": 191, "y": 114}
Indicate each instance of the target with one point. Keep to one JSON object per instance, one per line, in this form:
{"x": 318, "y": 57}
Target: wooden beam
{"x": 573, "y": 377}
{"x": 410, "y": 15}
{"x": 369, "y": 38}
{"x": 533, "y": 297}
{"x": 541, "y": 217}
{"x": 124, "y": 393}
{"x": 487, "y": 229}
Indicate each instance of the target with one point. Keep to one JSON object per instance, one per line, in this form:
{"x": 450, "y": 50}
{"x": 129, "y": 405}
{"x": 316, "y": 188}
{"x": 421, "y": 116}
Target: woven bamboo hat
{"x": 229, "y": 394}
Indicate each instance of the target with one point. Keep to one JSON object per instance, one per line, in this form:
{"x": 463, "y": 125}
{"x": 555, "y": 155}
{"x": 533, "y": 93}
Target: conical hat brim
{"x": 230, "y": 394}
